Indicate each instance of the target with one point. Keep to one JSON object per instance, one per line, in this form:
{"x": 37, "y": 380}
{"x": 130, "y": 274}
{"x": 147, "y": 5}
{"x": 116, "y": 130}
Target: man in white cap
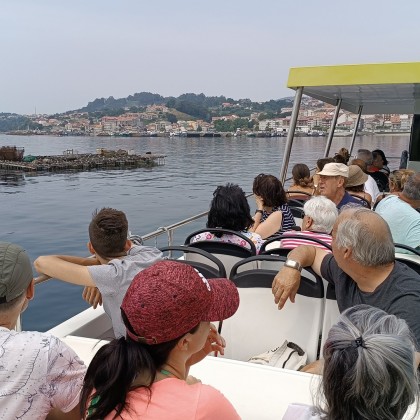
{"x": 39, "y": 375}
{"x": 332, "y": 182}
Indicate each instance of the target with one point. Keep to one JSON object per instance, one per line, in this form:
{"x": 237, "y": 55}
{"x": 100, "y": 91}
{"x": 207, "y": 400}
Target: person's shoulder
{"x": 213, "y": 404}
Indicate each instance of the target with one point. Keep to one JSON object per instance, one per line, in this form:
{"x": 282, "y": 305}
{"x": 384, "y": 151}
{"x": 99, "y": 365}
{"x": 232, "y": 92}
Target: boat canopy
{"x": 392, "y": 88}
{"x": 389, "y": 88}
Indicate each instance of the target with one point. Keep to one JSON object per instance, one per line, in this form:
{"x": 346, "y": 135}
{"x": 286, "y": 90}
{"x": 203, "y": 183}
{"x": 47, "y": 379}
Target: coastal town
{"x": 231, "y": 118}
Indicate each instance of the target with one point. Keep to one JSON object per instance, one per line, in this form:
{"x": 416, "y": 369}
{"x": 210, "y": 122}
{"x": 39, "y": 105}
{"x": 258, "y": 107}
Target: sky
{"x": 59, "y": 55}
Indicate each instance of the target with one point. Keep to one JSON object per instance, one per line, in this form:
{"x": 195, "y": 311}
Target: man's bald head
{"x": 367, "y": 234}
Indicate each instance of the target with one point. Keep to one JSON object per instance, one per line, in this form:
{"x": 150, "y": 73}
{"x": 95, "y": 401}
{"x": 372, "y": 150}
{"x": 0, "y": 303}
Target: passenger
{"x": 371, "y": 187}
{"x": 340, "y": 159}
{"x": 368, "y": 370}
{"x": 116, "y": 261}
{"x": 396, "y": 181}
{"x": 320, "y": 163}
{"x": 273, "y": 215}
{"x": 401, "y": 215}
{"x": 229, "y": 209}
{"x": 332, "y": 180}
{"x": 345, "y": 154}
{"x": 356, "y": 184}
{"x": 302, "y": 181}
{"x": 380, "y": 161}
{"x": 320, "y": 216}
{"x": 362, "y": 269}
{"x": 380, "y": 178}
{"x": 40, "y": 375}
{"x": 166, "y": 311}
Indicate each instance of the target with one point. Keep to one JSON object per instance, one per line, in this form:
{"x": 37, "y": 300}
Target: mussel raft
{"x": 85, "y": 162}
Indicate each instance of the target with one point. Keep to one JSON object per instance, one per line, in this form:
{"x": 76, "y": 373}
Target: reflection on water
{"x": 11, "y": 179}
{"x": 48, "y": 213}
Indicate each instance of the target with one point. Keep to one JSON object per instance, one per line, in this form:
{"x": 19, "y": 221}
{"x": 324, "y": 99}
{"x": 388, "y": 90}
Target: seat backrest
{"x": 259, "y": 325}
{"x": 229, "y": 254}
{"x": 272, "y": 246}
{"x": 331, "y": 314}
{"x": 298, "y": 215}
{"x": 208, "y": 265}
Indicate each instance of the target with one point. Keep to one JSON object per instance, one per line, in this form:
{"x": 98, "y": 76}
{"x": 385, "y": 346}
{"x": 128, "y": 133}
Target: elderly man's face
{"x": 328, "y": 185}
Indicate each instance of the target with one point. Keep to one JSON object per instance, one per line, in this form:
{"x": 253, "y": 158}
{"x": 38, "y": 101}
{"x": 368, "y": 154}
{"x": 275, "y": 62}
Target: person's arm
{"x": 287, "y": 281}
{"x": 93, "y": 296}
{"x": 56, "y": 414}
{"x": 56, "y": 267}
{"x": 270, "y": 226}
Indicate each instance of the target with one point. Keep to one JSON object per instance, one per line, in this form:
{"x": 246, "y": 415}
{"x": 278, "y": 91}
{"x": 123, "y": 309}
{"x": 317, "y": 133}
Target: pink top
{"x": 293, "y": 243}
{"x": 173, "y": 399}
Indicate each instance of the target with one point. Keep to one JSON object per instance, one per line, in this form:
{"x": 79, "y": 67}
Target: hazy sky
{"x": 59, "y": 55}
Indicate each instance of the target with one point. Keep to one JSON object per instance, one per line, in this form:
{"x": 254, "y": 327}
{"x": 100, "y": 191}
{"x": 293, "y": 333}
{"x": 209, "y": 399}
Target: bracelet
{"x": 259, "y": 211}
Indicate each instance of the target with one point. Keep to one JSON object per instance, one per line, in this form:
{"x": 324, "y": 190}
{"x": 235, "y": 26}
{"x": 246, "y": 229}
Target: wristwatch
{"x": 293, "y": 264}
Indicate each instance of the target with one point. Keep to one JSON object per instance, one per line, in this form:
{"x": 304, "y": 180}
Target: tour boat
{"x": 262, "y": 392}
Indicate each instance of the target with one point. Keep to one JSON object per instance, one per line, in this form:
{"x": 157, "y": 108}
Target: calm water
{"x": 49, "y": 213}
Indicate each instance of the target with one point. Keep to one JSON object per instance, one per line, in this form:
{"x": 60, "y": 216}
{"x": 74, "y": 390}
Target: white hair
{"x": 322, "y": 211}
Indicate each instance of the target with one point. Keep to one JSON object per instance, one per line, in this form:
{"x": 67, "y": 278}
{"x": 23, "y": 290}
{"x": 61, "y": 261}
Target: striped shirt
{"x": 287, "y": 221}
{"x": 293, "y": 243}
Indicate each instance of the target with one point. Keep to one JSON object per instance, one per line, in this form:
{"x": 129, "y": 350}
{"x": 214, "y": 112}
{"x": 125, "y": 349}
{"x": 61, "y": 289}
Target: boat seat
{"x": 208, "y": 265}
{"x": 229, "y": 254}
{"x": 411, "y": 260}
{"x": 298, "y": 215}
{"x": 259, "y": 325}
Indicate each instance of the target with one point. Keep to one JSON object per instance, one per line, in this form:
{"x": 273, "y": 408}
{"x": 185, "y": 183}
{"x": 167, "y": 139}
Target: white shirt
{"x": 38, "y": 372}
{"x": 371, "y": 187}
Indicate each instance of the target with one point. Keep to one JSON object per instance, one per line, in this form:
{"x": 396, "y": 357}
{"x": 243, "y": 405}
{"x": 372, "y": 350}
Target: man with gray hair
{"x": 39, "y": 375}
{"x": 318, "y": 221}
{"x": 380, "y": 178}
{"x": 401, "y": 215}
{"x": 362, "y": 268}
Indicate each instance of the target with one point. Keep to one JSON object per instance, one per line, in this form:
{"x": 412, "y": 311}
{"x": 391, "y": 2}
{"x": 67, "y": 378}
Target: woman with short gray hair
{"x": 369, "y": 369}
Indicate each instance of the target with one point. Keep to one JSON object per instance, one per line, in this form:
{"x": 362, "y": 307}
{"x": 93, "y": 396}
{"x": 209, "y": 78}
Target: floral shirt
{"x": 232, "y": 239}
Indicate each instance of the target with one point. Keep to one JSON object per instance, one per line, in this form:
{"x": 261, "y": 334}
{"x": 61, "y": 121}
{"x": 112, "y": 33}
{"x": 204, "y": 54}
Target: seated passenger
{"x": 320, "y": 216}
{"x": 396, "y": 181}
{"x": 368, "y": 370}
{"x": 273, "y": 215}
{"x": 371, "y": 187}
{"x": 355, "y": 184}
{"x": 40, "y": 375}
{"x": 320, "y": 163}
{"x": 380, "y": 161}
{"x": 401, "y": 215}
{"x": 380, "y": 178}
{"x": 167, "y": 312}
{"x": 345, "y": 154}
{"x": 332, "y": 181}
{"x": 229, "y": 209}
{"x": 362, "y": 268}
{"x": 302, "y": 181}
{"x": 114, "y": 266}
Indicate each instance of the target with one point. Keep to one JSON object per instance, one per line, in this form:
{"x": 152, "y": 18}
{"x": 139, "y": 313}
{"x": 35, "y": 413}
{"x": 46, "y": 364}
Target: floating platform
{"x": 106, "y": 159}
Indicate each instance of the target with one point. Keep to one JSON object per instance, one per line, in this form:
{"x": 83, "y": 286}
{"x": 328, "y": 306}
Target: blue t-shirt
{"x": 348, "y": 199}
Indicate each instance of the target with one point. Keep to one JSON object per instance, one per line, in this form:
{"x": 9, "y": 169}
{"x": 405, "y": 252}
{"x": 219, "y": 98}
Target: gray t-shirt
{"x": 399, "y": 293}
{"x": 113, "y": 279}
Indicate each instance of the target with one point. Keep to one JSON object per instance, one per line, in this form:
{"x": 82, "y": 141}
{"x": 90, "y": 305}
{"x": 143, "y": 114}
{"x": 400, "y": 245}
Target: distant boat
{"x": 12, "y": 153}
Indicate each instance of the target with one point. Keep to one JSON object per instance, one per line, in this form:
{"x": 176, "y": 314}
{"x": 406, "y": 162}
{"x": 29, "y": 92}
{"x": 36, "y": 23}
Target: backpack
{"x": 288, "y": 356}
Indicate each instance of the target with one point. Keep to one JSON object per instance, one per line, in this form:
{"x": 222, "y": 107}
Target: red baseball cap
{"x": 168, "y": 299}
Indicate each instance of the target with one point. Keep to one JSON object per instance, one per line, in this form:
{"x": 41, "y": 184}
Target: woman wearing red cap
{"x": 167, "y": 312}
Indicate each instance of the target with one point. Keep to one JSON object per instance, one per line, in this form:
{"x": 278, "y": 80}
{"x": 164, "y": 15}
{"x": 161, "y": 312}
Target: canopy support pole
{"x": 291, "y": 134}
{"x": 332, "y": 128}
{"x": 353, "y": 139}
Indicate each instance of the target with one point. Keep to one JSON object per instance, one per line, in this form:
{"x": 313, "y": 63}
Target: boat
{"x": 12, "y": 153}
{"x": 254, "y": 390}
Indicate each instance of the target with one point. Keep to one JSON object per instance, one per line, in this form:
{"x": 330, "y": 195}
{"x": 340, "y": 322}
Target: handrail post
{"x": 291, "y": 133}
{"x": 332, "y": 128}
{"x": 353, "y": 139}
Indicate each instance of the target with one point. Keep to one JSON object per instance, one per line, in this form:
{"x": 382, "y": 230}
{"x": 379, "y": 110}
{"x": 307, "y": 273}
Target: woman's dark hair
{"x": 302, "y": 175}
{"x": 380, "y": 152}
{"x": 229, "y": 209}
{"x": 340, "y": 159}
{"x": 270, "y": 189}
{"x": 112, "y": 371}
{"x": 320, "y": 163}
